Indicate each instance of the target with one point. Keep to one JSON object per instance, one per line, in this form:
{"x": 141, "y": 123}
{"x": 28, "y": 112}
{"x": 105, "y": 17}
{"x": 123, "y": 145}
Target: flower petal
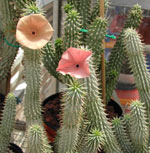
{"x": 33, "y": 31}
{"x": 75, "y": 63}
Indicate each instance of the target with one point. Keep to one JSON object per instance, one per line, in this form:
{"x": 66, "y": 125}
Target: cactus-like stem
{"x": 95, "y": 11}
{"x": 75, "y": 3}
{"x": 97, "y": 31}
{"x": 72, "y": 30}
{"x": 85, "y": 12}
{"x": 117, "y": 55}
{"x": 135, "y": 54}
{"x": 94, "y": 142}
{"x": 134, "y": 50}
{"x": 7, "y": 55}
{"x": 122, "y": 136}
{"x": 72, "y": 114}
{"x": 58, "y": 48}
{"x": 126, "y": 123}
{"x": 50, "y": 60}
{"x": 37, "y": 140}
{"x": 32, "y": 66}
{"x": 32, "y": 111}
{"x": 96, "y": 113}
{"x": 139, "y": 127}
{"x": 7, "y": 26}
{"x": 7, "y": 123}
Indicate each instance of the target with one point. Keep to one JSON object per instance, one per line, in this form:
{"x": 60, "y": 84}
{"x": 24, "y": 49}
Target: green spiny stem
{"x": 97, "y": 31}
{"x": 126, "y": 123}
{"x": 139, "y": 127}
{"x": 31, "y": 8}
{"x": 75, "y": 3}
{"x": 135, "y": 54}
{"x": 32, "y": 108}
{"x": 58, "y": 48}
{"x": 83, "y": 132}
{"x": 32, "y": 66}
{"x": 95, "y": 11}
{"x": 122, "y": 136}
{"x": 72, "y": 115}
{"x": 37, "y": 140}
{"x": 84, "y": 10}
{"x": 7, "y": 54}
{"x": 7, "y": 26}
{"x": 94, "y": 142}
{"x": 7, "y": 123}
{"x": 96, "y": 113}
{"x": 117, "y": 55}
{"x": 134, "y": 50}
{"x": 72, "y": 30}
{"x": 50, "y": 60}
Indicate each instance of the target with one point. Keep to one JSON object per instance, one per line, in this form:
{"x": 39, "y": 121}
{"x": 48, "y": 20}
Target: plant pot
{"x": 2, "y": 97}
{"x": 16, "y": 149}
{"x": 52, "y": 113}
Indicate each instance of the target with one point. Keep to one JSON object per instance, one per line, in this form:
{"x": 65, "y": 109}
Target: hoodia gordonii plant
{"x": 97, "y": 32}
{"x": 73, "y": 101}
{"x": 133, "y": 139}
{"x": 35, "y": 132}
{"x": 35, "y": 37}
{"x": 36, "y": 137}
{"x": 96, "y": 112}
{"x": 7, "y": 123}
{"x": 122, "y": 136}
{"x": 135, "y": 54}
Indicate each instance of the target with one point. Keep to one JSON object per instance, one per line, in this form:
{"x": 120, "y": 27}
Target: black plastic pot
{"x": 16, "y": 149}
{"x": 2, "y": 97}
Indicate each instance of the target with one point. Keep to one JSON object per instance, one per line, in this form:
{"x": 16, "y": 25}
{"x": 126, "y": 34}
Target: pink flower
{"x": 75, "y": 62}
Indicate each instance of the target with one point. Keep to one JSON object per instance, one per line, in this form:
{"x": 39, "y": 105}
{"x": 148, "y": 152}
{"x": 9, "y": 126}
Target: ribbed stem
{"x": 94, "y": 142}
{"x": 72, "y": 115}
{"x": 139, "y": 127}
{"x": 97, "y": 31}
{"x": 36, "y": 140}
{"x": 117, "y": 56}
{"x": 32, "y": 106}
{"x": 72, "y": 30}
{"x": 122, "y": 136}
{"x": 7, "y": 26}
{"x": 84, "y": 10}
{"x": 7, "y": 54}
{"x": 75, "y": 3}
{"x": 32, "y": 66}
{"x": 96, "y": 113}
{"x": 50, "y": 60}
{"x": 7, "y": 123}
{"x": 95, "y": 11}
{"x": 126, "y": 122}
{"x": 134, "y": 50}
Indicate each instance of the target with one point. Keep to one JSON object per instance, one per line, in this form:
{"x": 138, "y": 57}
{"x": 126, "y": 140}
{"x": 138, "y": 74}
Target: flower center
{"x": 77, "y": 65}
{"x": 33, "y": 32}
